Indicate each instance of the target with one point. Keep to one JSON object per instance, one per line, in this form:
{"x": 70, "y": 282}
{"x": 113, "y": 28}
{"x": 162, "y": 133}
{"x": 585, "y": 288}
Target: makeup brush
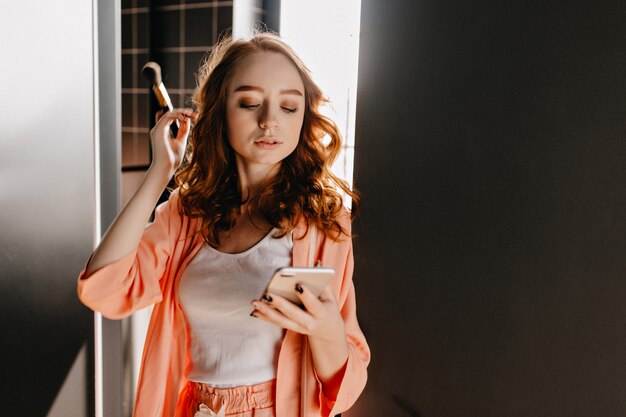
{"x": 152, "y": 71}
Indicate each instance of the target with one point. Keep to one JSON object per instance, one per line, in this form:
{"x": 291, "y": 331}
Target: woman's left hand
{"x": 321, "y": 321}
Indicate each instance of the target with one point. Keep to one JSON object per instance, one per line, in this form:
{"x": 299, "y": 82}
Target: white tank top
{"x": 228, "y": 347}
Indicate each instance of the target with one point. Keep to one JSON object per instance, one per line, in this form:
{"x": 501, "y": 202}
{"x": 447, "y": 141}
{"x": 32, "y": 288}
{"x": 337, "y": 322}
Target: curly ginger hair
{"x": 304, "y": 186}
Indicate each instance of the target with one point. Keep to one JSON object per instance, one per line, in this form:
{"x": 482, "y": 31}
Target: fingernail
{"x": 253, "y": 314}
{"x": 267, "y": 298}
{"x": 299, "y": 288}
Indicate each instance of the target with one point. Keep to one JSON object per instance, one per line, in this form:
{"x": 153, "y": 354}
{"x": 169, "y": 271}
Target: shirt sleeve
{"x": 349, "y": 385}
{"x": 134, "y": 281}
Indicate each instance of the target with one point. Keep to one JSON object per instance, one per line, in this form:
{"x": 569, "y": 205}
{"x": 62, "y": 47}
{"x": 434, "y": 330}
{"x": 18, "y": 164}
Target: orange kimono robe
{"x": 150, "y": 275}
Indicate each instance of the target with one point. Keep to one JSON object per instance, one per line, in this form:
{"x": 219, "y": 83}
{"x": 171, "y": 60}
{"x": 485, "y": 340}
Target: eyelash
{"x": 254, "y": 106}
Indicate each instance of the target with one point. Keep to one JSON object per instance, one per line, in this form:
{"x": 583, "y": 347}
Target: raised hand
{"x": 168, "y": 151}
{"x": 125, "y": 232}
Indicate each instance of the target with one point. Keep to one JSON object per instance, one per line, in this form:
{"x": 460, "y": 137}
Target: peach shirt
{"x": 150, "y": 275}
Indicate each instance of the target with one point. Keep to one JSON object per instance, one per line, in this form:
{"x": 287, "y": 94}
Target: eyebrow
{"x": 292, "y": 91}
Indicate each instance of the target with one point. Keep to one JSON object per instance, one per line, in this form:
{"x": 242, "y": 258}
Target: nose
{"x": 268, "y": 119}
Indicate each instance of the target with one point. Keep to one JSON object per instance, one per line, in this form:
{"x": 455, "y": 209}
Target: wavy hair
{"x": 304, "y": 186}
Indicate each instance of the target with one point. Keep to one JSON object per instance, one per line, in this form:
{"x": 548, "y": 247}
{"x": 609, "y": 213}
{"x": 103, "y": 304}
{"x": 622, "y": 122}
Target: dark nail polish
{"x": 299, "y": 288}
{"x": 267, "y": 298}
{"x": 252, "y": 314}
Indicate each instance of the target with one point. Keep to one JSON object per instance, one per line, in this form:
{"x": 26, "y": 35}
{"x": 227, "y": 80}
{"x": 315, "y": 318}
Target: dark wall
{"x": 491, "y": 248}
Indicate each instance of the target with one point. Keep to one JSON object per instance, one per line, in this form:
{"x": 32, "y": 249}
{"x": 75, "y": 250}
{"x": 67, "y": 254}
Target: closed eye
{"x": 248, "y": 106}
{"x": 290, "y": 109}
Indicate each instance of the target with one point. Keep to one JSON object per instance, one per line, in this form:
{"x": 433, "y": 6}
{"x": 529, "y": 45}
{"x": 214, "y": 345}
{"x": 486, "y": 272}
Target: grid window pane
{"x": 192, "y": 63}
{"x": 166, "y": 29}
{"x": 224, "y": 19}
{"x": 170, "y": 70}
{"x": 199, "y": 27}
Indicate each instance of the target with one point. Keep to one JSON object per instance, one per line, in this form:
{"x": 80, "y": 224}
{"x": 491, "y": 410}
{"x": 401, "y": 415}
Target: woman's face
{"x": 264, "y": 110}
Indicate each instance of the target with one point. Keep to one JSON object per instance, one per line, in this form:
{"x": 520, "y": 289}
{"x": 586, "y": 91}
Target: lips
{"x": 267, "y": 141}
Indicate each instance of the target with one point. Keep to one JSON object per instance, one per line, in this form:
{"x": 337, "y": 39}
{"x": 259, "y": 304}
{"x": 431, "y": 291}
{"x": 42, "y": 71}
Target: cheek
{"x": 235, "y": 125}
{"x": 228, "y": 121}
{"x": 295, "y": 127}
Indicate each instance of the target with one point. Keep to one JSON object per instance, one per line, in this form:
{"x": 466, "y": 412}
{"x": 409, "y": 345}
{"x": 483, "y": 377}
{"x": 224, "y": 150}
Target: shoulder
{"x": 172, "y": 206}
{"x": 342, "y": 236}
{"x": 344, "y": 218}
{"x": 174, "y": 198}
{"x": 171, "y": 212}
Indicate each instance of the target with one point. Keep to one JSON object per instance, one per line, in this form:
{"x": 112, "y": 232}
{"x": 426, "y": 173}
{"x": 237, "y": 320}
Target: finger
{"x": 292, "y": 312}
{"x": 166, "y": 119}
{"x": 328, "y": 294}
{"x": 311, "y": 303}
{"x": 170, "y": 116}
{"x": 158, "y": 115}
{"x": 187, "y": 112}
{"x": 266, "y": 312}
{"x": 184, "y": 127}
{"x": 286, "y": 307}
{"x": 177, "y": 116}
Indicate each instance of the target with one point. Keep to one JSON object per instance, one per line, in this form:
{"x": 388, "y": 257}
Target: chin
{"x": 271, "y": 159}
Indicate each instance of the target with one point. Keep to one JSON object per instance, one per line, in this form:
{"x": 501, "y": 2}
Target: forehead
{"x": 268, "y": 70}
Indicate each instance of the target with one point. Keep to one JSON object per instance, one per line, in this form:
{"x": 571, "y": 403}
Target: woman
{"x": 255, "y": 193}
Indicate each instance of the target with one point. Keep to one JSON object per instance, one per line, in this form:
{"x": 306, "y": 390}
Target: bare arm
{"x": 125, "y": 232}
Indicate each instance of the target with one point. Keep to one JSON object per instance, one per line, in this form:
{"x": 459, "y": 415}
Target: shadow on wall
{"x": 46, "y": 350}
{"x": 47, "y": 334}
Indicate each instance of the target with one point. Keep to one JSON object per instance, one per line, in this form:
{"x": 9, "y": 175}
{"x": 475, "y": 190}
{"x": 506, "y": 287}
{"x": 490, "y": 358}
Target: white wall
{"x": 46, "y": 203}
{"x": 325, "y": 34}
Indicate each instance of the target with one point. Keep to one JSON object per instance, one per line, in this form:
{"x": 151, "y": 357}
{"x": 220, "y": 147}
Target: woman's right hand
{"x": 168, "y": 151}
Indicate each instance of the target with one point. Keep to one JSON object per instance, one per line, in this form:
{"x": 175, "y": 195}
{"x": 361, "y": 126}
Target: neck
{"x": 252, "y": 178}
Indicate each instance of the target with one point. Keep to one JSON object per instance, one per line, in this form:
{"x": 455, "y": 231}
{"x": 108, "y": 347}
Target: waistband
{"x": 235, "y": 399}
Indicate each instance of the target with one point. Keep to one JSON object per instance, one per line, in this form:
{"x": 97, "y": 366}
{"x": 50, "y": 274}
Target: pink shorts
{"x": 201, "y": 400}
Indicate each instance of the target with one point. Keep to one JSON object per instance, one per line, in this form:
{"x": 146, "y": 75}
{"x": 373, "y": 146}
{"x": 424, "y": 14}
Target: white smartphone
{"x": 284, "y": 280}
